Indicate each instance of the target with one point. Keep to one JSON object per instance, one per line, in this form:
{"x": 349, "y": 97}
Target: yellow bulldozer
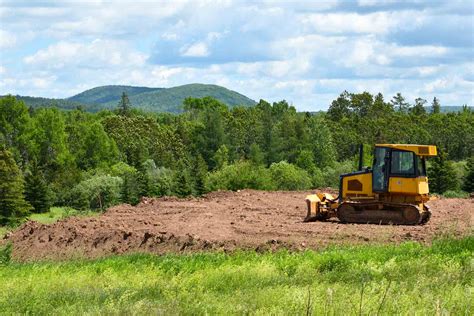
{"x": 393, "y": 191}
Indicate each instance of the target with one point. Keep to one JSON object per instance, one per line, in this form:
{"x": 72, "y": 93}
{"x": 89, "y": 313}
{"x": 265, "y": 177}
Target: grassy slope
{"x": 342, "y": 281}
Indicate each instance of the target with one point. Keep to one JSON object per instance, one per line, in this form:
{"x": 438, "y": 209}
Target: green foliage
{"x": 435, "y": 106}
{"x": 57, "y": 213}
{"x": 89, "y": 143}
{"x": 158, "y": 99}
{"x": 468, "y": 183}
{"x": 37, "y": 191}
{"x": 442, "y": 175}
{"x": 331, "y": 174}
{"x": 455, "y": 194}
{"x": 98, "y": 192}
{"x": 399, "y": 103}
{"x": 241, "y": 175}
{"x": 50, "y": 139}
{"x": 413, "y": 279}
{"x": 199, "y": 174}
{"x": 15, "y": 127}
{"x": 286, "y": 176}
{"x": 172, "y": 154}
{"x": 256, "y": 155}
{"x": 140, "y": 138}
{"x": 221, "y": 157}
{"x": 419, "y": 107}
{"x": 13, "y": 206}
{"x": 121, "y": 169}
{"x": 160, "y": 179}
{"x": 124, "y": 105}
{"x": 184, "y": 185}
{"x": 5, "y": 253}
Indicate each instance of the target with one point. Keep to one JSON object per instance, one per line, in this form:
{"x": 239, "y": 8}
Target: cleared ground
{"x": 220, "y": 221}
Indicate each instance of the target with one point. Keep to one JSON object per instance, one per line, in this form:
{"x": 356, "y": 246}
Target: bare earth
{"x": 220, "y": 221}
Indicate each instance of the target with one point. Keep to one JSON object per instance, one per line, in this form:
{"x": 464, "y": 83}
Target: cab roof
{"x": 419, "y": 150}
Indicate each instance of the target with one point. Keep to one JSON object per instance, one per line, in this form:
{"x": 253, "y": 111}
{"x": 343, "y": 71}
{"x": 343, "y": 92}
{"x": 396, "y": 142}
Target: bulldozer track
{"x": 381, "y": 213}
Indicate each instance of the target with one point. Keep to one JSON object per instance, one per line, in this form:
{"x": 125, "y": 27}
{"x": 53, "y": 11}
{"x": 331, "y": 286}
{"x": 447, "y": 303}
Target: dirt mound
{"x": 219, "y": 221}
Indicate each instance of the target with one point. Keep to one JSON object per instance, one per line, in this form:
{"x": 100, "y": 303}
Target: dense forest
{"x": 93, "y": 160}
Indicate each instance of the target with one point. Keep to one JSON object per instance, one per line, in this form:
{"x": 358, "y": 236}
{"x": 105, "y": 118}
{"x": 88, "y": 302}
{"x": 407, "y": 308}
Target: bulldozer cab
{"x": 400, "y": 161}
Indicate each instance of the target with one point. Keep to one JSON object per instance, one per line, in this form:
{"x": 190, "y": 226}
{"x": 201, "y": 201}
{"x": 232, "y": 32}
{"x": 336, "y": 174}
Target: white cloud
{"x": 7, "y": 39}
{"x": 373, "y": 23}
{"x": 96, "y": 54}
{"x": 305, "y": 52}
{"x": 195, "y": 50}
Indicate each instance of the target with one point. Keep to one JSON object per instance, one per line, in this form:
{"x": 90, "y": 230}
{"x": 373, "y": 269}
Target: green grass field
{"x": 54, "y": 214}
{"x": 360, "y": 280}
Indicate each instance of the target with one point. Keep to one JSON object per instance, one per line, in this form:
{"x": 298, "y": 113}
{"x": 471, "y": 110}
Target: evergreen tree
{"x": 183, "y": 180}
{"x": 37, "y": 191}
{"x": 221, "y": 157}
{"x": 442, "y": 175}
{"x": 468, "y": 184}
{"x": 305, "y": 161}
{"x": 399, "y": 103}
{"x": 339, "y": 108}
{"x": 435, "y": 106}
{"x": 13, "y": 206}
{"x": 419, "y": 107}
{"x": 256, "y": 156}
{"x": 124, "y": 105}
{"x": 199, "y": 175}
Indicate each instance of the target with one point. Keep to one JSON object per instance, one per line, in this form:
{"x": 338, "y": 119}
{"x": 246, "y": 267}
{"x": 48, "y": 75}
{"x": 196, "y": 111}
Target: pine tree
{"x": 442, "y": 175}
{"x": 221, "y": 157}
{"x": 468, "y": 184}
{"x": 256, "y": 155}
{"x": 124, "y": 105}
{"x": 398, "y": 102}
{"x": 183, "y": 180}
{"x": 13, "y": 206}
{"x": 419, "y": 107}
{"x": 435, "y": 106}
{"x": 199, "y": 175}
{"x": 37, "y": 191}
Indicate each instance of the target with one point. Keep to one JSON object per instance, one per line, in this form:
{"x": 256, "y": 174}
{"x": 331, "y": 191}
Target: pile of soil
{"x": 220, "y": 221}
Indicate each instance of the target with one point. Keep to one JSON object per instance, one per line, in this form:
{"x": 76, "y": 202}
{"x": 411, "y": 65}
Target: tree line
{"x": 94, "y": 160}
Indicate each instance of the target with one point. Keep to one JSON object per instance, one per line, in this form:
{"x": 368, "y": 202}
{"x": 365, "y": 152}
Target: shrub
{"x": 241, "y": 175}
{"x": 456, "y": 194}
{"x": 331, "y": 174}
{"x": 286, "y": 176}
{"x": 121, "y": 169}
{"x": 5, "y": 253}
{"x": 98, "y": 192}
{"x": 160, "y": 179}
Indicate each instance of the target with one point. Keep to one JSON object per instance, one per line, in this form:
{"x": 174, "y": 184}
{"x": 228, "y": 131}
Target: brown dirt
{"x": 220, "y": 221}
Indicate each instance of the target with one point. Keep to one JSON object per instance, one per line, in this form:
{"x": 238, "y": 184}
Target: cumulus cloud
{"x": 7, "y": 39}
{"x": 304, "y": 52}
{"x": 195, "y": 50}
{"x": 96, "y": 54}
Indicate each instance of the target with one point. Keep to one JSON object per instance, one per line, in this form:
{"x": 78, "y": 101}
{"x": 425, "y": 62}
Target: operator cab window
{"x": 403, "y": 163}
{"x": 420, "y": 163}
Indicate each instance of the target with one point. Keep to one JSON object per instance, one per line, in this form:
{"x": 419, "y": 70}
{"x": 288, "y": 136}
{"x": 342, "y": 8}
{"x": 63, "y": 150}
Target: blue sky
{"x": 304, "y": 52}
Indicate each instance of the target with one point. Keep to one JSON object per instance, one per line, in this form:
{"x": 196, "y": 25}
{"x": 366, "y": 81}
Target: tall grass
{"x": 351, "y": 280}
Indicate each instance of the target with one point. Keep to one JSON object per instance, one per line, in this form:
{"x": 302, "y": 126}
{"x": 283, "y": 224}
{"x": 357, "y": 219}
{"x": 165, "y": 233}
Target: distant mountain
{"x": 144, "y": 98}
{"x": 448, "y": 109}
{"x": 104, "y": 94}
{"x": 171, "y": 99}
{"x": 37, "y": 102}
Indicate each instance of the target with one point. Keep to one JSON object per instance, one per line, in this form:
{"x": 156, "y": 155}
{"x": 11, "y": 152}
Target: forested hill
{"x": 144, "y": 98}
